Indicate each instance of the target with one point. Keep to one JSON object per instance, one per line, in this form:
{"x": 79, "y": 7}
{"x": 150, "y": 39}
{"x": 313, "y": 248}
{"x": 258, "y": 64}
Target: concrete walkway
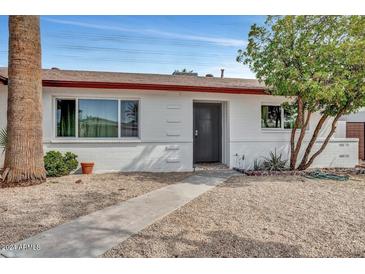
{"x": 94, "y": 234}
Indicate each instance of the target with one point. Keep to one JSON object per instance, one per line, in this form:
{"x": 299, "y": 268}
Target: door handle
{"x": 196, "y": 133}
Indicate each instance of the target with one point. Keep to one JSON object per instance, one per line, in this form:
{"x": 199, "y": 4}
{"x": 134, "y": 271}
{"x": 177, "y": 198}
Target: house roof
{"x": 118, "y": 80}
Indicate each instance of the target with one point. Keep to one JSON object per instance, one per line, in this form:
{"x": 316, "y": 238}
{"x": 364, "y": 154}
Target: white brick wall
{"x": 166, "y": 142}
{"x": 340, "y": 152}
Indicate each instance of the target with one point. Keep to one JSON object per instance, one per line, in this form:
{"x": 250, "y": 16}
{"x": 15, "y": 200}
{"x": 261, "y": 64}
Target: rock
{"x": 79, "y": 181}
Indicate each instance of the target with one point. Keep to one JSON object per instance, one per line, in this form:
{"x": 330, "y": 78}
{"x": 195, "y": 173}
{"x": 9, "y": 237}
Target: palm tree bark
{"x": 24, "y": 151}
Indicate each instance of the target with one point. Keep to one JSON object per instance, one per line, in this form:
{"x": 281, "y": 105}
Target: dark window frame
{"x": 137, "y": 118}
{"x": 57, "y": 130}
{"x": 282, "y": 117}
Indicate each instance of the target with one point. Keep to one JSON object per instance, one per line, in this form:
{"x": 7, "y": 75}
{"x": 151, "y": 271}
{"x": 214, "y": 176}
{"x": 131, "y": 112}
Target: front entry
{"x": 207, "y": 132}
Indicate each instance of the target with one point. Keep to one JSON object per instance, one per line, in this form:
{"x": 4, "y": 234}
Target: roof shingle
{"x": 143, "y": 78}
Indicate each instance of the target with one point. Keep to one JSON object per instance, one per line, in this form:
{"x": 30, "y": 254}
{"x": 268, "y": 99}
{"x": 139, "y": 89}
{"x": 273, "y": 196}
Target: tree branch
{"x": 323, "y": 146}
{"x": 299, "y": 118}
{"x": 302, "y": 132}
{"x": 312, "y": 141}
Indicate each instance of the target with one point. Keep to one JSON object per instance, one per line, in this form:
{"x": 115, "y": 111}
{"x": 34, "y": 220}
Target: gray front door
{"x": 207, "y": 132}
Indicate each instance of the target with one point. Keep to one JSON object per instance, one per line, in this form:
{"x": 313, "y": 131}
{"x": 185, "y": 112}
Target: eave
{"x": 139, "y": 86}
{"x": 161, "y": 87}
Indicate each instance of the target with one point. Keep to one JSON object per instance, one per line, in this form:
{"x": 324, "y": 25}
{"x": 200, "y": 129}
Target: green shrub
{"x": 70, "y": 161}
{"x": 54, "y": 164}
{"x": 57, "y": 165}
{"x": 274, "y": 162}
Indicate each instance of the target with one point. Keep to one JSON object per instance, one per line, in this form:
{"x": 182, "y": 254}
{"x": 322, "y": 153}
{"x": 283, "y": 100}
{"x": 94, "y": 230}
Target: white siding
{"x": 166, "y": 126}
{"x": 340, "y": 152}
{"x": 341, "y": 129}
{"x": 357, "y": 117}
{"x": 131, "y": 156}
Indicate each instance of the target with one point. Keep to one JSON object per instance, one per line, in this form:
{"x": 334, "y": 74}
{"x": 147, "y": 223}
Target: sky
{"x": 142, "y": 44}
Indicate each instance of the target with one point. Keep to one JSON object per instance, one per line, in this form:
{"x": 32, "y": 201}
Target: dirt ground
{"x": 25, "y": 211}
{"x": 260, "y": 217}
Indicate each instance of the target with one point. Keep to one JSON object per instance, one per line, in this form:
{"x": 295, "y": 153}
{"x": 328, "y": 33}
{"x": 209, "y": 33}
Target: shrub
{"x": 274, "y": 162}
{"x": 54, "y": 164}
{"x": 70, "y": 161}
{"x": 57, "y": 165}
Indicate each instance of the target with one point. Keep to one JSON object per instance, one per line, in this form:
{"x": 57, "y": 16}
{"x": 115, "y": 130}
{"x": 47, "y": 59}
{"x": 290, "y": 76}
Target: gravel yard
{"x": 25, "y": 211}
{"x": 260, "y": 217}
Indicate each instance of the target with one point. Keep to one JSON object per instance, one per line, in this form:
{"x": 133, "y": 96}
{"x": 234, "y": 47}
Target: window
{"x": 66, "y": 110}
{"x": 97, "y": 118}
{"x": 290, "y": 115}
{"x": 270, "y": 116}
{"x": 129, "y": 118}
{"x": 278, "y": 117}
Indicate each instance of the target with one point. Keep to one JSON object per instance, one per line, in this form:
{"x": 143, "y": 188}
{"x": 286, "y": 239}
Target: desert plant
{"x": 3, "y": 138}
{"x": 57, "y": 165}
{"x": 274, "y": 162}
{"x": 257, "y": 165}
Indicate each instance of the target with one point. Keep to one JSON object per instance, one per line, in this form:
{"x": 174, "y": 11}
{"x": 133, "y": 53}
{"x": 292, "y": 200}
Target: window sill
{"x": 91, "y": 141}
{"x": 275, "y": 130}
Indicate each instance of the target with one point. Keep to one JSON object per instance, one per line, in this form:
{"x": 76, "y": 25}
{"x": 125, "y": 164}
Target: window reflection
{"x": 98, "y": 118}
{"x": 129, "y": 118}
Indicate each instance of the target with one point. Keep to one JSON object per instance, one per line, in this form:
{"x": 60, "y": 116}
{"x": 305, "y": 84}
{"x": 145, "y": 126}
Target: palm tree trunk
{"x": 24, "y": 151}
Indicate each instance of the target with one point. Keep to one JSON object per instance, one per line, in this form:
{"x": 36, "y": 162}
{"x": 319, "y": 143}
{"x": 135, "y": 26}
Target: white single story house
{"x": 152, "y": 122}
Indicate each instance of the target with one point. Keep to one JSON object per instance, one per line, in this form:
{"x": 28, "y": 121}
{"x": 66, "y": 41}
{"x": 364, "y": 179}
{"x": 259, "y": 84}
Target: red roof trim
{"x": 111, "y": 85}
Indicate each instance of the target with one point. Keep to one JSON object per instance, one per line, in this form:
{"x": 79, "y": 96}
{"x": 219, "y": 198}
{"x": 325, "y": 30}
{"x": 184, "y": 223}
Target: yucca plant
{"x": 274, "y": 162}
{"x": 3, "y": 138}
{"x": 257, "y": 165}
